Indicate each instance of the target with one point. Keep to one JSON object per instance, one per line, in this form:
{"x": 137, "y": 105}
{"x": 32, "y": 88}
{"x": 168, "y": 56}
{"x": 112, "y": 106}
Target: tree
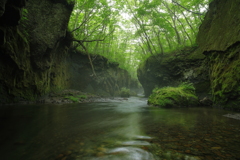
{"x": 129, "y": 31}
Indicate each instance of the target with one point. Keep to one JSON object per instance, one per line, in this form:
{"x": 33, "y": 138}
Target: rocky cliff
{"x": 109, "y": 77}
{"x": 33, "y": 48}
{"x": 219, "y": 40}
{"x": 36, "y": 56}
{"x": 171, "y": 69}
{"x": 214, "y": 67}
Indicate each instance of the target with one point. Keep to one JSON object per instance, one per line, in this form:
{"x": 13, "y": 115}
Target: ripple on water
{"x": 135, "y": 143}
{"x": 127, "y": 153}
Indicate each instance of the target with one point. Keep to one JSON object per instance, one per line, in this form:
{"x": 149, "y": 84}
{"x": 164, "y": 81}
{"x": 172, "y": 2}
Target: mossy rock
{"x": 225, "y": 77}
{"x": 168, "y": 97}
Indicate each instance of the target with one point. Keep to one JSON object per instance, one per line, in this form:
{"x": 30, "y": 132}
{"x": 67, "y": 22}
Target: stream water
{"x": 116, "y": 130}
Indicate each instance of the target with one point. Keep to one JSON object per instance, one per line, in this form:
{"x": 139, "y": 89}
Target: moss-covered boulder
{"x": 168, "y": 97}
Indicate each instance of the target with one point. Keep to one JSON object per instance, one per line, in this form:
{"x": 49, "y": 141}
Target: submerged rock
{"x": 206, "y": 102}
{"x": 234, "y": 116}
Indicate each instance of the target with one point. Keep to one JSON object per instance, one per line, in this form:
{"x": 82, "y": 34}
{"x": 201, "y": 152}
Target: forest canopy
{"x": 129, "y": 31}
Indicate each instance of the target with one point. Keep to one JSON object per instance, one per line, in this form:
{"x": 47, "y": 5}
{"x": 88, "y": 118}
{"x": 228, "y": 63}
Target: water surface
{"x": 117, "y": 130}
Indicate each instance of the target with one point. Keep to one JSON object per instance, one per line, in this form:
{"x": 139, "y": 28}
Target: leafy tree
{"x": 129, "y": 31}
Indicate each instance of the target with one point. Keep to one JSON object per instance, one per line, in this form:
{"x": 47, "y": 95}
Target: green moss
{"x": 181, "y": 96}
{"x": 225, "y": 76}
{"x": 82, "y": 96}
{"x": 74, "y": 99}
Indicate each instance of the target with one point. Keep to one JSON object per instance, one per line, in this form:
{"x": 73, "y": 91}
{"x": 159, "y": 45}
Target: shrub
{"x": 125, "y": 92}
{"x": 74, "y": 99}
{"x": 82, "y": 96}
{"x": 181, "y": 96}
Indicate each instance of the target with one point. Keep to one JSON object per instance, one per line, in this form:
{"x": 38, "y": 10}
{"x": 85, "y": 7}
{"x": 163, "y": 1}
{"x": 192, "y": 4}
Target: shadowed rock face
{"x": 10, "y": 14}
{"x": 33, "y": 49}
{"x": 221, "y": 26}
{"x": 10, "y": 11}
{"x": 218, "y": 39}
{"x": 161, "y": 71}
{"x": 109, "y": 80}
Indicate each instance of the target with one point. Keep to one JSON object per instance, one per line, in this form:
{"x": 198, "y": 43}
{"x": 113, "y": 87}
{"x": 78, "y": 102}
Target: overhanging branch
{"x": 81, "y": 41}
{"x": 186, "y": 8}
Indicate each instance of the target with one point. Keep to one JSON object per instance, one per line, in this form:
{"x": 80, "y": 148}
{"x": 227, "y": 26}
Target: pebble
{"x": 101, "y": 149}
{"x": 64, "y": 158}
{"x": 68, "y": 153}
{"x": 100, "y": 154}
{"x": 216, "y": 148}
{"x": 187, "y": 151}
{"x": 81, "y": 143}
{"x": 59, "y": 156}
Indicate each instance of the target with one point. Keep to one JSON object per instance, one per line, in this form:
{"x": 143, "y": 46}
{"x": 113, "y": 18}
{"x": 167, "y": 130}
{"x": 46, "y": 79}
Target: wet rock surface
{"x": 234, "y": 116}
{"x": 206, "y": 101}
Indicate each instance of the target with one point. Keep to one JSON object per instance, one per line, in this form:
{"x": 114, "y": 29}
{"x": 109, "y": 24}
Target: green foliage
{"x": 225, "y": 77}
{"x": 24, "y": 14}
{"x": 24, "y": 22}
{"x": 82, "y": 96}
{"x": 71, "y": 1}
{"x": 181, "y": 96}
{"x": 125, "y": 92}
{"x": 187, "y": 87}
{"x": 72, "y": 98}
{"x": 129, "y": 31}
{"x": 76, "y": 98}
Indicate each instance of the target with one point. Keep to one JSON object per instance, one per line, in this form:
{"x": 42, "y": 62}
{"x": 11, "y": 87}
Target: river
{"x": 116, "y": 130}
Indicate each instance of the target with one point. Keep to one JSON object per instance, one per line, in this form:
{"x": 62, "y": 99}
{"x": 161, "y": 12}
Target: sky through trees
{"x": 129, "y": 31}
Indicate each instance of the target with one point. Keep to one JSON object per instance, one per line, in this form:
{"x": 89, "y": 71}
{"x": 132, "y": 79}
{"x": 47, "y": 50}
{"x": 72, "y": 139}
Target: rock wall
{"x": 33, "y": 49}
{"x": 172, "y": 69}
{"x": 219, "y": 40}
{"x": 109, "y": 80}
{"x": 219, "y": 44}
{"x": 36, "y": 58}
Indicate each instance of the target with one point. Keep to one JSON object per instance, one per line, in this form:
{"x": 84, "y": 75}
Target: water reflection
{"x": 116, "y": 130}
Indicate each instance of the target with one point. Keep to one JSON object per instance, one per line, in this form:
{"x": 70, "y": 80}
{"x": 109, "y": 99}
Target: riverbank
{"x": 69, "y": 96}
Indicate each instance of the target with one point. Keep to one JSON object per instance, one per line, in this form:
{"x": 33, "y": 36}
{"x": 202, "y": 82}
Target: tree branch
{"x": 186, "y": 8}
{"x": 81, "y": 41}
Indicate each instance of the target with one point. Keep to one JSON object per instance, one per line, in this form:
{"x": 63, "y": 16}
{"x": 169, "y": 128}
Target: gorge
{"x": 77, "y": 79}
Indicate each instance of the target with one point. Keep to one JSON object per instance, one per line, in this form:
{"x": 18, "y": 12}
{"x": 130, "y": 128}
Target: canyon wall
{"x": 37, "y": 56}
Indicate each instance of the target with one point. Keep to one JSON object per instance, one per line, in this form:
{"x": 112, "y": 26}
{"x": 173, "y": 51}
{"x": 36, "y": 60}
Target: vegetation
{"x": 125, "y": 92}
{"x": 129, "y": 31}
{"x": 224, "y": 80}
{"x": 181, "y": 96}
{"x": 82, "y": 96}
{"x": 76, "y": 98}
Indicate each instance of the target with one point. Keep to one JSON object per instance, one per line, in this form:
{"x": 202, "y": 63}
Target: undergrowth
{"x": 76, "y": 98}
{"x": 181, "y": 96}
